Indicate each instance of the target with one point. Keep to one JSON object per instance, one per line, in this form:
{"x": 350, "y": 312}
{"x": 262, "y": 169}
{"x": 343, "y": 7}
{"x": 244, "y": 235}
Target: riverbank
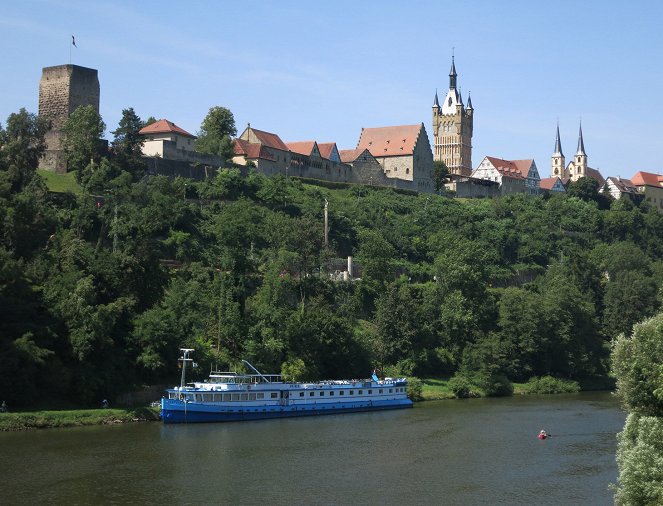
{"x": 75, "y": 418}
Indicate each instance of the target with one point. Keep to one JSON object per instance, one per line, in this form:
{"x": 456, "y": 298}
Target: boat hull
{"x": 176, "y": 411}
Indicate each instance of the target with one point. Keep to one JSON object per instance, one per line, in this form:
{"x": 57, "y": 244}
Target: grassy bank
{"x": 61, "y": 182}
{"x": 74, "y": 418}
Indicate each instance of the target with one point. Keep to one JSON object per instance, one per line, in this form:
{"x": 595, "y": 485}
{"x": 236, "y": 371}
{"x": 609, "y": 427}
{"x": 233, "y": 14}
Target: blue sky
{"x": 324, "y": 69}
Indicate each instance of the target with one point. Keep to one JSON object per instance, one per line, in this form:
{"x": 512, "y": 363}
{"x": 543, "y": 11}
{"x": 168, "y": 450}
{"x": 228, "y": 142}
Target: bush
{"x": 496, "y": 385}
{"x": 550, "y": 385}
{"x": 461, "y": 387}
{"x": 414, "y": 388}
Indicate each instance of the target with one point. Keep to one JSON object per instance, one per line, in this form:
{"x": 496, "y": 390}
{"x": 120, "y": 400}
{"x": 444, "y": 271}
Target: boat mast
{"x": 185, "y": 358}
{"x": 246, "y": 362}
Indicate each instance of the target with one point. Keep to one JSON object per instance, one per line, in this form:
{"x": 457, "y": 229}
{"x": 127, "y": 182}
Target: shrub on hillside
{"x": 462, "y": 387}
{"x": 496, "y": 385}
{"x": 414, "y": 389}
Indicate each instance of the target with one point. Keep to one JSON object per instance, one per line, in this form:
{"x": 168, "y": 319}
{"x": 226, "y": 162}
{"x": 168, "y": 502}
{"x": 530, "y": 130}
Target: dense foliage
{"x": 97, "y": 293}
{"x": 637, "y": 360}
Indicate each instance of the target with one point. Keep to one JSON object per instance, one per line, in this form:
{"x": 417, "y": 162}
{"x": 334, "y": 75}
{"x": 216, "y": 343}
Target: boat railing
{"x": 225, "y": 377}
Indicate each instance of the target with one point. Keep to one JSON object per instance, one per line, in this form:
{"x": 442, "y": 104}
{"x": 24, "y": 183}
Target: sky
{"x": 323, "y": 70}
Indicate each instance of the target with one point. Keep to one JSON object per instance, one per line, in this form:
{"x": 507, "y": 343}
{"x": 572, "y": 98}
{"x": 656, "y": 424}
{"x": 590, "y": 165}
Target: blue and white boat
{"x": 230, "y": 396}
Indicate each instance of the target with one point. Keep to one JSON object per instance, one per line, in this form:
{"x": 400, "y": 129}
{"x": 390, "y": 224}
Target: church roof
{"x": 581, "y": 143}
{"x": 558, "y": 143}
{"x": 164, "y": 126}
{"x": 436, "y": 102}
{"x": 596, "y": 175}
{"x": 469, "y": 101}
{"x": 391, "y": 140}
{"x": 647, "y": 179}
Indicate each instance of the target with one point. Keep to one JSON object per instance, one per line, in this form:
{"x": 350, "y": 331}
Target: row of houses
{"x": 398, "y": 157}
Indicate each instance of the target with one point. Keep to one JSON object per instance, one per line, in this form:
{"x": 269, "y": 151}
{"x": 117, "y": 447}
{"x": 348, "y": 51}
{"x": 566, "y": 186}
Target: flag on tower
{"x": 73, "y": 41}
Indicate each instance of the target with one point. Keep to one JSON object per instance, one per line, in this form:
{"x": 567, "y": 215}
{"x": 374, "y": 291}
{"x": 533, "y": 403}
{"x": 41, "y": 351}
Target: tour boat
{"x": 230, "y": 396}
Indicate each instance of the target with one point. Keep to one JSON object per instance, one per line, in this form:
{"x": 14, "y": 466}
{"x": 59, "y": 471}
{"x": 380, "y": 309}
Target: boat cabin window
{"x": 226, "y": 397}
{"x": 331, "y": 393}
{"x": 244, "y": 397}
{"x": 341, "y": 392}
{"x": 218, "y": 397}
{"x": 380, "y": 391}
{"x": 301, "y": 394}
{"x": 391, "y": 390}
{"x": 274, "y": 395}
{"x": 359, "y": 392}
{"x": 252, "y": 397}
{"x": 199, "y": 397}
{"x": 261, "y": 395}
{"x": 235, "y": 397}
{"x": 311, "y": 394}
{"x": 352, "y": 392}
{"x": 370, "y": 392}
{"x": 322, "y": 392}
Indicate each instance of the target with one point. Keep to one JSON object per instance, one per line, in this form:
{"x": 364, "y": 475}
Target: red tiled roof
{"x": 547, "y": 183}
{"x": 390, "y": 141}
{"x": 647, "y": 179}
{"x": 269, "y": 139}
{"x": 251, "y": 151}
{"x": 164, "y": 126}
{"x": 326, "y": 149}
{"x": 516, "y": 169}
{"x": 349, "y": 155}
{"x": 303, "y": 148}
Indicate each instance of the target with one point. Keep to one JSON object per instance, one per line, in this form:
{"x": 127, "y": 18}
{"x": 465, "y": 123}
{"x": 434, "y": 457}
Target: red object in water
{"x": 542, "y": 436}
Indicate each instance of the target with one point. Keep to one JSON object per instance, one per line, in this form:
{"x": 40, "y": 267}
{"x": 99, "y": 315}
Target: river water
{"x": 478, "y": 451}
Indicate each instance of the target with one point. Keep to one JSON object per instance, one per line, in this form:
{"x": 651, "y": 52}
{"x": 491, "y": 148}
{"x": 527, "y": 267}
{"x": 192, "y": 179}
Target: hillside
{"x": 97, "y": 299}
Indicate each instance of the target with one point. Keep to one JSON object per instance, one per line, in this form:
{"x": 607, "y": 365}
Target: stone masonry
{"x": 62, "y": 89}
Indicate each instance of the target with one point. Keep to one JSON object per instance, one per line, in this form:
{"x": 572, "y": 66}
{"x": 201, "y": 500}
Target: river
{"x": 464, "y": 452}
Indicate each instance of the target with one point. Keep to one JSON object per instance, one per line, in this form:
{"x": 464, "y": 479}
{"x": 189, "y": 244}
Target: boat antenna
{"x": 185, "y": 358}
{"x": 246, "y": 362}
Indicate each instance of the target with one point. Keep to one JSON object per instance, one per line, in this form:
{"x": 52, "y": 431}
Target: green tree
{"x": 81, "y": 135}
{"x": 636, "y": 363}
{"x": 128, "y": 144}
{"x": 21, "y": 146}
{"x": 587, "y": 188}
{"x": 440, "y": 175}
{"x": 216, "y": 132}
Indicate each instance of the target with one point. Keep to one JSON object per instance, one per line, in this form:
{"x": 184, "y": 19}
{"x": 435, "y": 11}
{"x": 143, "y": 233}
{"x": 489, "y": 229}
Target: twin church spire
{"x": 577, "y": 168}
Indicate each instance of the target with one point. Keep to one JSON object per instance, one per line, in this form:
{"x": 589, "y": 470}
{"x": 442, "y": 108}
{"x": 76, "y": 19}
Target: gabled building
{"x": 552, "y": 184}
{"x": 329, "y": 151}
{"x": 621, "y": 188}
{"x": 365, "y": 168}
{"x": 308, "y": 159}
{"x": 162, "y": 135}
{"x": 650, "y": 185}
{"x": 265, "y": 150}
{"x": 513, "y": 176}
{"x": 402, "y": 151}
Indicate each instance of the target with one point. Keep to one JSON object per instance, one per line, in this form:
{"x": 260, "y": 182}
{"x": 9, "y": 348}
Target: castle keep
{"x": 62, "y": 89}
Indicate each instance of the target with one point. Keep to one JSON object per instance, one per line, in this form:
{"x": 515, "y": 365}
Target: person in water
{"x": 543, "y": 434}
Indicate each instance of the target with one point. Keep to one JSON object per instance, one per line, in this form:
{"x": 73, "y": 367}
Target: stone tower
{"x": 452, "y": 128}
{"x": 61, "y": 90}
{"x": 558, "y": 159}
{"x": 580, "y": 159}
